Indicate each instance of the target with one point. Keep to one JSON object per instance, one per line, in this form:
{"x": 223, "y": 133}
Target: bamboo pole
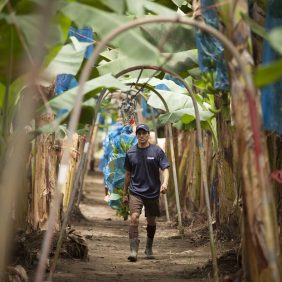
{"x": 183, "y": 164}
{"x": 171, "y": 143}
{"x": 156, "y": 140}
{"x": 88, "y": 151}
{"x": 93, "y": 138}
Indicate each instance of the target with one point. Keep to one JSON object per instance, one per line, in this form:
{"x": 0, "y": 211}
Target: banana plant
{"x": 92, "y": 87}
{"x": 181, "y": 111}
{"x": 19, "y": 28}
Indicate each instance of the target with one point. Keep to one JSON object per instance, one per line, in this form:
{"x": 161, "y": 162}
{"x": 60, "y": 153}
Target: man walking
{"x": 142, "y": 178}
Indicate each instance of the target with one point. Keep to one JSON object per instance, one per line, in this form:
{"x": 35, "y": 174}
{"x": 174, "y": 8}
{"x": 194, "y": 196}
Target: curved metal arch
{"x": 175, "y": 75}
{"x": 186, "y": 85}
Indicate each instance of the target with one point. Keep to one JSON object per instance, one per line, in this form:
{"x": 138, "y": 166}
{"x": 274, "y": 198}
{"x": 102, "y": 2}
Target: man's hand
{"x": 127, "y": 179}
{"x": 125, "y": 199}
{"x": 165, "y": 181}
{"x": 163, "y": 188}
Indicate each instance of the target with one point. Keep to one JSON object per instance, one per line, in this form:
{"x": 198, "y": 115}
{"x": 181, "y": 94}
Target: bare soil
{"x": 179, "y": 257}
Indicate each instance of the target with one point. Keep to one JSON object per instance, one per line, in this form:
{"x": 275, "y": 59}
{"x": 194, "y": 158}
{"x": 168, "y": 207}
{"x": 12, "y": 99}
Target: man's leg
{"x": 152, "y": 210}
{"x": 133, "y": 237}
{"x": 135, "y": 207}
{"x": 151, "y": 230}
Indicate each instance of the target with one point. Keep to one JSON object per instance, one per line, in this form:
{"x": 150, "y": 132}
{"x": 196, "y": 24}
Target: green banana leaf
{"x": 68, "y": 60}
{"x": 266, "y": 74}
{"x": 115, "y": 62}
{"x": 116, "y": 6}
{"x": 158, "y": 9}
{"x": 183, "y": 61}
{"x": 11, "y": 47}
{"x": 102, "y": 23}
{"x": 2, "y": 4}
{"x": 275, "y": 39}
{"x": 175, "y": 101}
{"x": 136, "y": 7}
{"x": 67, "y": 99}
{"x": 173, "y": 34}
{"x": 153, "y": 81}
{"x": 132, "y": 7}
{"x": 179, "y": 3}
{"x": 180, "y": 107}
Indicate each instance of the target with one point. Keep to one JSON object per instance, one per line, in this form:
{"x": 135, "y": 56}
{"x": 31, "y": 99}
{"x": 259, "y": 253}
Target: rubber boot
{"x": 134, "y": 245}
{"x": 149, "y": 248}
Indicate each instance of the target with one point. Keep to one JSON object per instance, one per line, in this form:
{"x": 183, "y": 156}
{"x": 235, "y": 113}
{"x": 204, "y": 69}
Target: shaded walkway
{"x": 176, "y": 256}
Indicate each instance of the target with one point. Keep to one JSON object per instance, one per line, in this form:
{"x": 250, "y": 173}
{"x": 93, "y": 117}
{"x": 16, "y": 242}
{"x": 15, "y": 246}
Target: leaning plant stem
{"x": 17, "y": 147}
{"x": 17, "y": 153}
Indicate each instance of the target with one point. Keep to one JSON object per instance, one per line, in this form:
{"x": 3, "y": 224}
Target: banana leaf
{"x": 67, "y": 99}
{"x": 68, "y": 60}
{"x": 11, "y": 47}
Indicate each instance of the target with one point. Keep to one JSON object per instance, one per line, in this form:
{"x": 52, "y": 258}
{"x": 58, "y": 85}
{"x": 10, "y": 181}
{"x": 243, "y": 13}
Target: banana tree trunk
{"x": 191, "y": 197}
{"x": 44, "y": 174}
{"x": 226, "y": 189}
{"x": 71, "y": 171}
{"x": 183, "y": 162}
{"x": 260, "y": 236}
{"x": 21, "y": 208}
{"x": 207, "y": 150}
{"x": 79, "y": 174}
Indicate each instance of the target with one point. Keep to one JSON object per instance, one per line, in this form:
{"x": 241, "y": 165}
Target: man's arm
{"x": 127, "y": 179}
{"x": 165, "y": 181}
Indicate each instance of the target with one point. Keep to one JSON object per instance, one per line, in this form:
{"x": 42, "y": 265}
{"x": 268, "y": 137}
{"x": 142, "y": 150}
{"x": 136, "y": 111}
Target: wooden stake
{"x": 174, "y": 175}
{"x": 156, "y": 139}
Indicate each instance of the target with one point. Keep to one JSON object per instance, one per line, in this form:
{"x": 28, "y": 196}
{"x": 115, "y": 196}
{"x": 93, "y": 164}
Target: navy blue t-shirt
{"x": 144, "y": 165}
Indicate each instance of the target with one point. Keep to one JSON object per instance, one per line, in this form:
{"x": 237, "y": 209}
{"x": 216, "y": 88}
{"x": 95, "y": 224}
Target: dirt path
{"x": 177, "y": 257}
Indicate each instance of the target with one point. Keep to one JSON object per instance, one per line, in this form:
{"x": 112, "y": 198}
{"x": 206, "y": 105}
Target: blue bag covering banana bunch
{"x": 119, "y": 140}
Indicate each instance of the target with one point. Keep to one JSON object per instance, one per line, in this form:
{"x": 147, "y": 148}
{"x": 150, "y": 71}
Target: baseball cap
{"x": 142, "y": 126}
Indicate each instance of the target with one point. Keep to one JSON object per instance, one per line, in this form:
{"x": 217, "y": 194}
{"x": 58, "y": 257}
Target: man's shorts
{"x": 152, "y": 206}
